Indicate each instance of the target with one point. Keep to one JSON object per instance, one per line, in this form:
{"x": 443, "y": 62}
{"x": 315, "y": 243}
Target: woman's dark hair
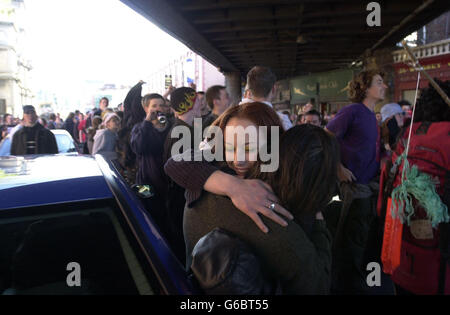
{"x": 306, "y": 177}
{"x": 431, "y": 106}
{"x": 360, "y": 83}
{"x": 120, "y": 114}
{"x": 71, "y": 116}
{"x": 96, "y": 122}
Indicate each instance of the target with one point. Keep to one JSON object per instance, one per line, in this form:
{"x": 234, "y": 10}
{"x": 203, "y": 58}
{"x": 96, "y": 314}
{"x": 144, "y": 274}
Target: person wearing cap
{"x": 33, "y": 138}
{"x": 105, "y": 139}
{"x": 186, "y": 105}
{"x": 392, "y": 120}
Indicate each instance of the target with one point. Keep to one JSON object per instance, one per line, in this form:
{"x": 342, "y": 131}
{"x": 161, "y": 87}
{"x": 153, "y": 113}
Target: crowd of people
{"x": 306, "y": 241}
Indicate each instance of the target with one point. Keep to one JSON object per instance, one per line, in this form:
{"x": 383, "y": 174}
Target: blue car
{"x": 71, "y": 225}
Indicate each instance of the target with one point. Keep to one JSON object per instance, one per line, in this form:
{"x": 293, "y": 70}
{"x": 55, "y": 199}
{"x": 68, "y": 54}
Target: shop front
{"x": 435, "y": 59}
{"x": 327, "y": 91}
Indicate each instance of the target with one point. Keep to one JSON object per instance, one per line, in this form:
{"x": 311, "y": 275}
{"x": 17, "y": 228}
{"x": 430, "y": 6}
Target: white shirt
{"x": 285, "y": 121}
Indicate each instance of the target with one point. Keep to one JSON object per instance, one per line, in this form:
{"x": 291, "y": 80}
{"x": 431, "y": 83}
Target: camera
{"x": 161, "y": 117}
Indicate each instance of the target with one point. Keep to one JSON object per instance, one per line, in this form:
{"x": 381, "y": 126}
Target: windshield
{"x": 64, "y": 142}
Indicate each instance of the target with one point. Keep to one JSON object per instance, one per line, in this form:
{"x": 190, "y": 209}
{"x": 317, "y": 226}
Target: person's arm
{"x": 52, "y": 143}
{"x": 169, "y": 91}
{"x": 133, "y": 98}
{"x": 252, "y": 197}
{"x": 317, "y": 269}
{"x": 340, "y": 124}
{"x": 180, "y": 171}
{"x": 14, "y": 144}
{"x": 98, "y": 143}
{"x": 338, "y": 127}
{"x": 285, "y": 121}
{"x": 344, "y": 174}
{"x": 145, "y": 139}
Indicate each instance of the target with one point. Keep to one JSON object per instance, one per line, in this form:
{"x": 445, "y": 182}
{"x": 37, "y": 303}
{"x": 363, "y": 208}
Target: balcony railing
{"x": 425, "y": 51}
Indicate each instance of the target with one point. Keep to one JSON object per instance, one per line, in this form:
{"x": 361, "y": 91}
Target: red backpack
{"x": 424, "y": 257}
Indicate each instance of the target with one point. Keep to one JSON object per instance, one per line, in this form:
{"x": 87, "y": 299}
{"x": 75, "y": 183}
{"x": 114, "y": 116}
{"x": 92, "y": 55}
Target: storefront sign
{"x": 330, "y": 86}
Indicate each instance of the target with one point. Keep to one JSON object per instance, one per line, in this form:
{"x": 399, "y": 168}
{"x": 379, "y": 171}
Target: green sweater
{"x": 301, "y": 264}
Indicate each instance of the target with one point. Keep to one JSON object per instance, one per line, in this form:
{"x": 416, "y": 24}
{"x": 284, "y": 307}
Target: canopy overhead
{"x": 293, "y": 37}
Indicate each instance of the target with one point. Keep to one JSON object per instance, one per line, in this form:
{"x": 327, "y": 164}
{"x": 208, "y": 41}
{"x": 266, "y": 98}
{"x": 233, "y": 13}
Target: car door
{"x": 82, "y": 248}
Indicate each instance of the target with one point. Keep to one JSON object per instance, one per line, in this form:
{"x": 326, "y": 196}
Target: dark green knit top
{"x": 302, "y": 264}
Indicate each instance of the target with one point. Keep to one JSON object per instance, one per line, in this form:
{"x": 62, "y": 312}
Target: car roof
{"x": 60, "y": 132}
{"x": 54, "y": 131}
{"x": 49, "y": 179}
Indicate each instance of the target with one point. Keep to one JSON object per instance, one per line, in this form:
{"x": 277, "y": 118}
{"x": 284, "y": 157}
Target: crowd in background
{"x": 305, "y": 242}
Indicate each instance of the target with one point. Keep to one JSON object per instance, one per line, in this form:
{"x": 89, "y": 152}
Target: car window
{"x": 38, "y": 252}
{"x": 65, "y": 143}
{"x": 5, "y": 147}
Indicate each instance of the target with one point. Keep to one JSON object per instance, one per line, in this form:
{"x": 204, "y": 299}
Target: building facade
{"x": 433, "y": 53}
{"x": 14, "y": 67}
{"x": 186, "y": 69}
{"x": 435, "y": 59}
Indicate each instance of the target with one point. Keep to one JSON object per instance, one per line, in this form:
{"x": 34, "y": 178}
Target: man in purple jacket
{"x": 355, "y": 127}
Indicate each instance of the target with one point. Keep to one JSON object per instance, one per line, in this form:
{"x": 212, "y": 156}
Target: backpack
{"x": 424, "y": 261}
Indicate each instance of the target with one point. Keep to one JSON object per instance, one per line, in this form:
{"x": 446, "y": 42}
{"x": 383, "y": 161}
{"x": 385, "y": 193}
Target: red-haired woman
{"x": 298, "y": 255}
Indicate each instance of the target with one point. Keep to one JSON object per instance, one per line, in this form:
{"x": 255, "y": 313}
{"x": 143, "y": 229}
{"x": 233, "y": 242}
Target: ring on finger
{"x": 272, "y": 206}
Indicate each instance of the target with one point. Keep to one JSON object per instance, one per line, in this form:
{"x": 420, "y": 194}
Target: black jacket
{"x": 148, "y": 145}
{"x": 175, "y": 194}
{"x": 45, "y": 141}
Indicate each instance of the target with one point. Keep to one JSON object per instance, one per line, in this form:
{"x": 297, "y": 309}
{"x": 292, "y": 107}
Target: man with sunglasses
{"x": 33, "y": 138}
